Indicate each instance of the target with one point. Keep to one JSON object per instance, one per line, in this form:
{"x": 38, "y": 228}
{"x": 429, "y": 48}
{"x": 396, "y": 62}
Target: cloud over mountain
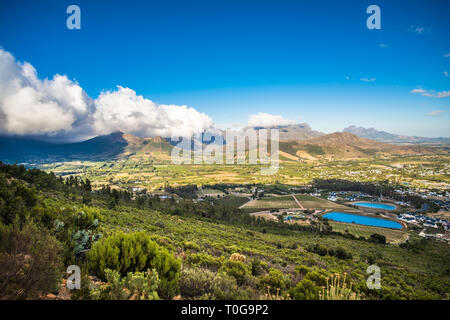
{"x": 59, "y": 107}
{"x": 126, "y": 111}
{"x": 262, "y": 119}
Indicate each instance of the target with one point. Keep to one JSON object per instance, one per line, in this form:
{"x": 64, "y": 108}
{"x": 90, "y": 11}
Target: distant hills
{"x": 346, "y": 146}
{"x": 101, "y": 148}
{"x": 387, "y": 137}
{"x": 297, "y": 143}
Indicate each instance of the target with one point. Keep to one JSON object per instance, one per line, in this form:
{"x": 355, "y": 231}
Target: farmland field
{"x": 283, "y": 202}
{"x": 310, "y": 202}
{"x": 288, "y": 202}
{"x": 232, "y": 201}
{"x": 392, "y": 236}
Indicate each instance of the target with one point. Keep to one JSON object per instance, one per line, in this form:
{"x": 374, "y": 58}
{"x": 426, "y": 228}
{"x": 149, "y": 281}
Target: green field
{"x": 288, "y": 202}
{"x": 210, "y": 193}
{"x": 232, "y": 201}
{"x": 310, "y": 202}
{"x": 392, "y": 236}
{"x": 155, "y": 173}
{"x": 282, "y": 202}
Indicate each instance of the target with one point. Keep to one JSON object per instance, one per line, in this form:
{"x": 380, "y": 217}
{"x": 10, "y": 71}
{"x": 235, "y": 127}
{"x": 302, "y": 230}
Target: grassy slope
{"x": 400, "y": 267}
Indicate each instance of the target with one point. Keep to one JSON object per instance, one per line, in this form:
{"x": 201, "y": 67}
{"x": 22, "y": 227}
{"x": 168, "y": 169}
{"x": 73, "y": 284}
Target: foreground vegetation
{"x": 148, "y": 248}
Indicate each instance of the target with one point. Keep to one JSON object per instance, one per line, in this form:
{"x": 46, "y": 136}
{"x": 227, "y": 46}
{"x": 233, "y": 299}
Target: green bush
{"x": 317, "y": 277}
{"x": 340, "y": 253}
{"x": 275, "y": 280}
{"x": 16, "y": 199}
{"x": 135, "y": 286}
{"x": 204, "y": 260}
{"x": 237, "y": 269}
{"x": 136, "y": 252}
{"x": 257, "y": 269}
{"x": 301, "y": 269}
{"x": 30, "y": 261}
{"x": 205, "y": 284}
{"x": 305, "y": 290}
{"x": 377, "y": 238}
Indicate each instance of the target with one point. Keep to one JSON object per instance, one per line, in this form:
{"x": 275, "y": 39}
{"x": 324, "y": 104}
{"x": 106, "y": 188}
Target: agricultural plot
{"x": 210, "y": 193}
{"x": 288, "y": 202}
{"x": 310, "y": 202}
{"x": 232, "y": 201}
{"x": 283, "y": 202}
{"x": 392, "y": 236}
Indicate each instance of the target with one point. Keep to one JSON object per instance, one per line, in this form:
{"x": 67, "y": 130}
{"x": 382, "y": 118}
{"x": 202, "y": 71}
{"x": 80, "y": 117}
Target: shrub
{"x": 256, "y": 267}
{"x": 275, "y": 279}
{"x": 16, "y": 199}
{"x": 377, "y": 238}
{"x": 237, "y": 269}
{"x": 237, "y": 257}
{"x": 318, "y": 249}
{"x": 135, "y": 286}
{"x": 341, "y": 253}
{"x": 338, "y": 290}
{"x": 305, "y": 290}
{"x": 204, "y": 260}
{"x": 303, "y": 270}
{"x": 318, "y": 278}
{"x": 196, "y": 282}
{"x": 203, "y": 283}
{"x": 136, "y": 252}
{"x": 30, "y": 263}
{"x": 189, "y": 245}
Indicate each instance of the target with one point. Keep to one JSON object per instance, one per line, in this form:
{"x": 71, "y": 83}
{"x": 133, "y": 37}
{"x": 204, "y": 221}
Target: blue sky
{"x": 314, "y": 61}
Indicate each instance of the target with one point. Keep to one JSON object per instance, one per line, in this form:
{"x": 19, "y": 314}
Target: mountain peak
{"x": 293, "y": 132}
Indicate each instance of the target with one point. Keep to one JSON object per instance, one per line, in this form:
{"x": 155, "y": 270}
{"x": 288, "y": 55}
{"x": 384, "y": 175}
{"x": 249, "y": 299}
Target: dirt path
{"x": 298, "y": 202}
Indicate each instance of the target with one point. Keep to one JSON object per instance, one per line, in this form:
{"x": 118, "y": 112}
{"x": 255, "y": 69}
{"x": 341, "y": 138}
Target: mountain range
{"x": 346, "y": 146}
{"x": 301, "y": 131}
{"x": 101, "y": 148}
{"x": 297, "y": 142}
{"x": 387, "y": 137}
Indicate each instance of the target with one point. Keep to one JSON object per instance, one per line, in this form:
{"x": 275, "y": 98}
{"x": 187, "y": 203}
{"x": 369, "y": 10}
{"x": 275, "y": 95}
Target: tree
{"x": 377, "y": 238}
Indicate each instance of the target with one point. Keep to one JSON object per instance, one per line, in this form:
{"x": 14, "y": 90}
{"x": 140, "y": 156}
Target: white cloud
{"x": 365, "y": 79}
{"x": 262, "y": 119}
{"x": 435, "y": 113}
{"x": 447, "y": 55}
{"x": 383, "y": 45}
{"x": 432, "y": 93}
{"x": 443, "y": 94}
{"x": 126, "y": 111}
{"x": 445, "y": 73}
{"x": 59, "y": 107}
{"x": 29, "y": 105}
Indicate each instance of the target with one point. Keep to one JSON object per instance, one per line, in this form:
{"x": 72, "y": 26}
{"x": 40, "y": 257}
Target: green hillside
{"x": 191, "y": 250}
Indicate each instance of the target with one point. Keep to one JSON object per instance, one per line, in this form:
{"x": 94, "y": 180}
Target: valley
{"x": 256, "y": 236}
